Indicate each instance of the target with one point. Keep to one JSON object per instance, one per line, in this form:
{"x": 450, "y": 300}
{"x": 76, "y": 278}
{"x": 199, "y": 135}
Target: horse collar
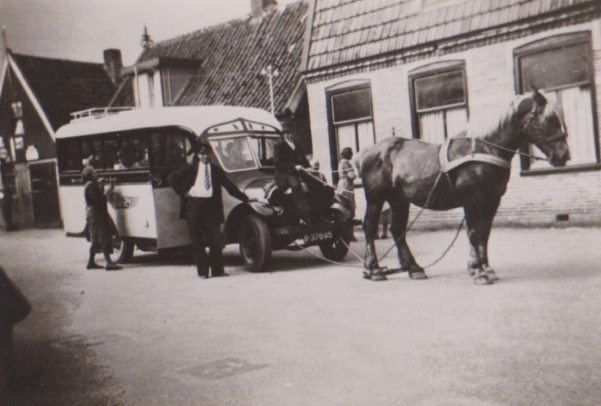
{"x": 447, "y": 166}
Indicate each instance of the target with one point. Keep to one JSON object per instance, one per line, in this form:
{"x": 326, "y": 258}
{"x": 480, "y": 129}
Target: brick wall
{"x": 541, "y": 200}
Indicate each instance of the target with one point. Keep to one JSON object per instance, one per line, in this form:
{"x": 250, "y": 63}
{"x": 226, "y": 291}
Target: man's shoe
{"x": 93, "y": 266}
{"x": 221, "y": 274}
{"x": 112, "y": 267}
{"x": 204, "y": 277}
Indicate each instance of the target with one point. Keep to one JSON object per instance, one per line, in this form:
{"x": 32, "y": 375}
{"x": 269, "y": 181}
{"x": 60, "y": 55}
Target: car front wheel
{"x": 255, "y": 243}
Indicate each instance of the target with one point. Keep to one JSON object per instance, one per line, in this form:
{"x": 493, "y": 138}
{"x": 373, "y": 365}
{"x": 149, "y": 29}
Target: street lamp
{"x": 271, "y": 72}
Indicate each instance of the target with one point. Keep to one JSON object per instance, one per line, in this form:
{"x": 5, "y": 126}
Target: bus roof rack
{"x": 96, "y": 112}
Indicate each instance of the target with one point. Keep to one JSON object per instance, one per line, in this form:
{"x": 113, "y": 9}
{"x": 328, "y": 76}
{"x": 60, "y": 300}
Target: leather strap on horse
{"x": 474, "y": 156}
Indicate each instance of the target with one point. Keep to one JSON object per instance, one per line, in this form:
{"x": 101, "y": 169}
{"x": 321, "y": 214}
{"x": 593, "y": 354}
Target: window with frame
{"x": 351, "y": 118}
{"x": 562, "y": 67}
{"x": 439, "y": 100}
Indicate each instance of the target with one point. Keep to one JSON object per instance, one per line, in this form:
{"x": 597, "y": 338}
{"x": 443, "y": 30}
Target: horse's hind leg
{"x": 398, "y": 228}
{"x": 370, "y": 228}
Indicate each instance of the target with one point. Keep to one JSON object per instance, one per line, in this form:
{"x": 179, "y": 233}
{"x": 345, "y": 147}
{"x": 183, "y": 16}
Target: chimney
{"x": 258, "y": 7}
{"x": 113, "y": 65}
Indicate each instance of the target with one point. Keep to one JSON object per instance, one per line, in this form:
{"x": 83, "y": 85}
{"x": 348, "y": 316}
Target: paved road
{"x": 309, "y": 334}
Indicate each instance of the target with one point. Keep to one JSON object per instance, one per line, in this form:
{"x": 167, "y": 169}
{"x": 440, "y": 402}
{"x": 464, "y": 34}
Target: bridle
{"x": 536, "y": 138}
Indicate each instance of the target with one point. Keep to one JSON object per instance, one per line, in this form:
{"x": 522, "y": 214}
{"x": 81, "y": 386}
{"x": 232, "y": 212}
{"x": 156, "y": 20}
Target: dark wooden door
{"x": 44, "y": 194}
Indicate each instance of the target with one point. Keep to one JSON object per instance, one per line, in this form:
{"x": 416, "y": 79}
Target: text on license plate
{"x": 326, "y": 235}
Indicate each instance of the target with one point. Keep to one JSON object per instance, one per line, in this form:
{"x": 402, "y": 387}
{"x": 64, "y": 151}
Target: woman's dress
{"x": 100, "y": 228}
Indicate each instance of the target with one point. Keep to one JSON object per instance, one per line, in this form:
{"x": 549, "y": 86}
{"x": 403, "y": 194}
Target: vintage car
{"x": 245, "y": 151}
{"x": 137, "y": 149}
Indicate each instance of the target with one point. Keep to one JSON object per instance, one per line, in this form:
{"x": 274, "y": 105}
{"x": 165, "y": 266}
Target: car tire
{"x": 255, "y": 243}
{"x": 336, "y": 249}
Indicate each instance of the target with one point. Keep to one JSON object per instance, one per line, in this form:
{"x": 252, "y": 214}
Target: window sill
{"x": 565, "y": 169}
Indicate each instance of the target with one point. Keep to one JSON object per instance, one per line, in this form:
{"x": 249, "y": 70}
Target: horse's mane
{"x": 489, "y": 122}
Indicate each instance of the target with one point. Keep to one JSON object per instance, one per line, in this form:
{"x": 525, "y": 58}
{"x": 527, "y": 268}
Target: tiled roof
{"x": 234, "y": 54}
{"x": 62, "y": 87}
{"x": 343, "y": 31}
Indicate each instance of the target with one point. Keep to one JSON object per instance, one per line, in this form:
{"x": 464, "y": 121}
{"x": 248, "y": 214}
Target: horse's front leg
{"x": 398, "y": 228}
{"x": 370, "y": 228}
{"x": 479, "y": 218}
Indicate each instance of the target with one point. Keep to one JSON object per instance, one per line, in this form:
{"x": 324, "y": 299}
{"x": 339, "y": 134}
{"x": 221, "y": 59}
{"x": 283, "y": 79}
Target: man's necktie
{"x": 207, "y": 178}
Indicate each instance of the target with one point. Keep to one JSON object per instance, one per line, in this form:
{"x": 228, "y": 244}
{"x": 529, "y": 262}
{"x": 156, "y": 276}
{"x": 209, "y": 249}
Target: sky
{"x": 80, "y": 30}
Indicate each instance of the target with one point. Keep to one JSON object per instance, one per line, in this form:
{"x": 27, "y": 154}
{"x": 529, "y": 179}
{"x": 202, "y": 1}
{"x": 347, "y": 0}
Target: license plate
{"x": 326, "y": 235}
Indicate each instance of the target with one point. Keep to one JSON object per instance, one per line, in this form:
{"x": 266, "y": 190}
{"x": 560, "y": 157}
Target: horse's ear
{"x": 538, "y": 97}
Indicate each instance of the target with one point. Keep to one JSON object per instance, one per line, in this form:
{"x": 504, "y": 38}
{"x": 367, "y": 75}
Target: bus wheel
{"x": 125, "y": 253}
{"x": 255, "y": 243}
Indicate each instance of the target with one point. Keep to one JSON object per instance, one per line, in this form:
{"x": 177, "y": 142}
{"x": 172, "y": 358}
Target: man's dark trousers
{"x": 204, "y": 231}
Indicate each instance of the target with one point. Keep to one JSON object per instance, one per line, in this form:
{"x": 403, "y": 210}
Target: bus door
{"x": 169, "y": 147}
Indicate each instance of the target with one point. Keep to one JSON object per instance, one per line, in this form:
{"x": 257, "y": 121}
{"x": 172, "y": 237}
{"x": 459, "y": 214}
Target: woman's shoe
{"x": 112, "y": 267}
{"x": 93, "y": 266}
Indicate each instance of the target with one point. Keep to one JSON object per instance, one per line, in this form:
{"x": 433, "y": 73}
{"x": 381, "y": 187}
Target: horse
{"x": 470, "y": 170}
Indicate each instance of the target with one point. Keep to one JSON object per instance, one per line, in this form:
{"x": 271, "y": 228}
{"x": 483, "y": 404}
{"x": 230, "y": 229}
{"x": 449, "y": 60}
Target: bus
{"x": 137, "y": 149}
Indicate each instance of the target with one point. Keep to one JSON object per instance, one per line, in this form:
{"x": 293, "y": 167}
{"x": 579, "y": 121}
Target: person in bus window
{"x": 199, "y": 187}
{"x": 101, "y": 231}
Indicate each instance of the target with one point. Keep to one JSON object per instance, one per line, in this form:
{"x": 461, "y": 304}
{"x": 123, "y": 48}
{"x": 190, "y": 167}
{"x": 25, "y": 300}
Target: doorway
{"x": 44, "y": 194}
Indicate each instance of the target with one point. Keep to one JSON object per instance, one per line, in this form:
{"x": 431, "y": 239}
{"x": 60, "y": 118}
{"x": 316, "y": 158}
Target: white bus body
{"x": 144, "y": 207}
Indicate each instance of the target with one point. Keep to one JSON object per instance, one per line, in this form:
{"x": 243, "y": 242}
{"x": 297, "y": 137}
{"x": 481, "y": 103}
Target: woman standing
{"x": 346, "y": 185}
{"x": 100, "y": 228}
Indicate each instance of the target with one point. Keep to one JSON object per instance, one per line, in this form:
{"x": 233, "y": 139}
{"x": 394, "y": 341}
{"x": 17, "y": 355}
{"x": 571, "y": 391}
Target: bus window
{"x": 125, "y": 151}
{"x": 169, "y": 148}
{"x": 234, "y": 154}
{"x": 263, "y": 147}
{"x": 70, "y": 159}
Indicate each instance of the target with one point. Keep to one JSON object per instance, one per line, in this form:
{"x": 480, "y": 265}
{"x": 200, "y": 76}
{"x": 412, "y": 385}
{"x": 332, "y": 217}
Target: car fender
{"x": 341, "y": 208}
{"x": 261, "y": 208}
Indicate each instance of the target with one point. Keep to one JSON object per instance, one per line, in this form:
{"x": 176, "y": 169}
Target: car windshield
{"x": 234, "y": 153}
{"x": 263, "y": 148}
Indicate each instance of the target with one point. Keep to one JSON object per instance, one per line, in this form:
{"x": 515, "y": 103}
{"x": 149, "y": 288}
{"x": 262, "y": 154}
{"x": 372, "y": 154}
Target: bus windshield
{"x": 238, "y": 153}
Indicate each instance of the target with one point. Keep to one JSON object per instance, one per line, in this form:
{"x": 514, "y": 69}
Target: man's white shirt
{"x": 199, "y": 190}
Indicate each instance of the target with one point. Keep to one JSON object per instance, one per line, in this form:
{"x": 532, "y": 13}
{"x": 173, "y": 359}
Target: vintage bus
{"x": 137, "y": 149}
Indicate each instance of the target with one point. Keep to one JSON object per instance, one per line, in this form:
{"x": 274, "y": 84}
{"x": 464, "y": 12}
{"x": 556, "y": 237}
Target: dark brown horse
{"x": 442, "y": 177}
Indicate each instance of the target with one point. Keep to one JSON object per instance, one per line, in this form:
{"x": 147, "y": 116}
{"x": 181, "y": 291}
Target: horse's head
{"x": 541, "y": 124}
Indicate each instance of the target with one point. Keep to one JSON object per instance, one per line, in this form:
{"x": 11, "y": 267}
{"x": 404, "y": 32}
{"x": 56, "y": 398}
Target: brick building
{"x": 423, "y": 68}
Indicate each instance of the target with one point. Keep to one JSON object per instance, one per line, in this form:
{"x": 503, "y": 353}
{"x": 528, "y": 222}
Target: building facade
{"x": 423, "y": 68}
{"x": 37, "y": 96}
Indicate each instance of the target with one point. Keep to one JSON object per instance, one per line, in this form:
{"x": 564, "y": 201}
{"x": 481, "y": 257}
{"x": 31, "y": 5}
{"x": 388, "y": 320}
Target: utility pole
{"x": 271, "y": 72}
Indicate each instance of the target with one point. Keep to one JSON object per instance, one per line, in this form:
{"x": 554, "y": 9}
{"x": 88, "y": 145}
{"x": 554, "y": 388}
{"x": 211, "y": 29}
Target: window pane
{"x": 346, "y": 137}
{"x": 263, "y": 148}
{"x": 69, "y": 158}
{"x": 456, "y": 120}
{"x": 366, "y": 135}
{"x": 431, "y": 127}
{"x": 169, "y": 149}
{"x": 353, "y": 105}
{"x": 555, "y": 68}
{"x": 234, "y": 154}
{"x": 439, "y": 90}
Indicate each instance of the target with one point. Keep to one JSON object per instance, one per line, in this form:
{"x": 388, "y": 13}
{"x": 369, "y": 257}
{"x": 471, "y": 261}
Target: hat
{"x": 200, "y": 148}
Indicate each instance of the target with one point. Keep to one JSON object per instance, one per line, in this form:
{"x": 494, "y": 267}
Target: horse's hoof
{"x": 492, "y": 276}
{"x": 417, "y": 275}
{"x": 481, "y": 280}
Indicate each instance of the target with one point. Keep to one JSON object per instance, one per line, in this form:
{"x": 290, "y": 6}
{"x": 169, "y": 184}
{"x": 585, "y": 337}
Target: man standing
{"x": 288, "y": 159}
{"x": 199, "y": 187}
